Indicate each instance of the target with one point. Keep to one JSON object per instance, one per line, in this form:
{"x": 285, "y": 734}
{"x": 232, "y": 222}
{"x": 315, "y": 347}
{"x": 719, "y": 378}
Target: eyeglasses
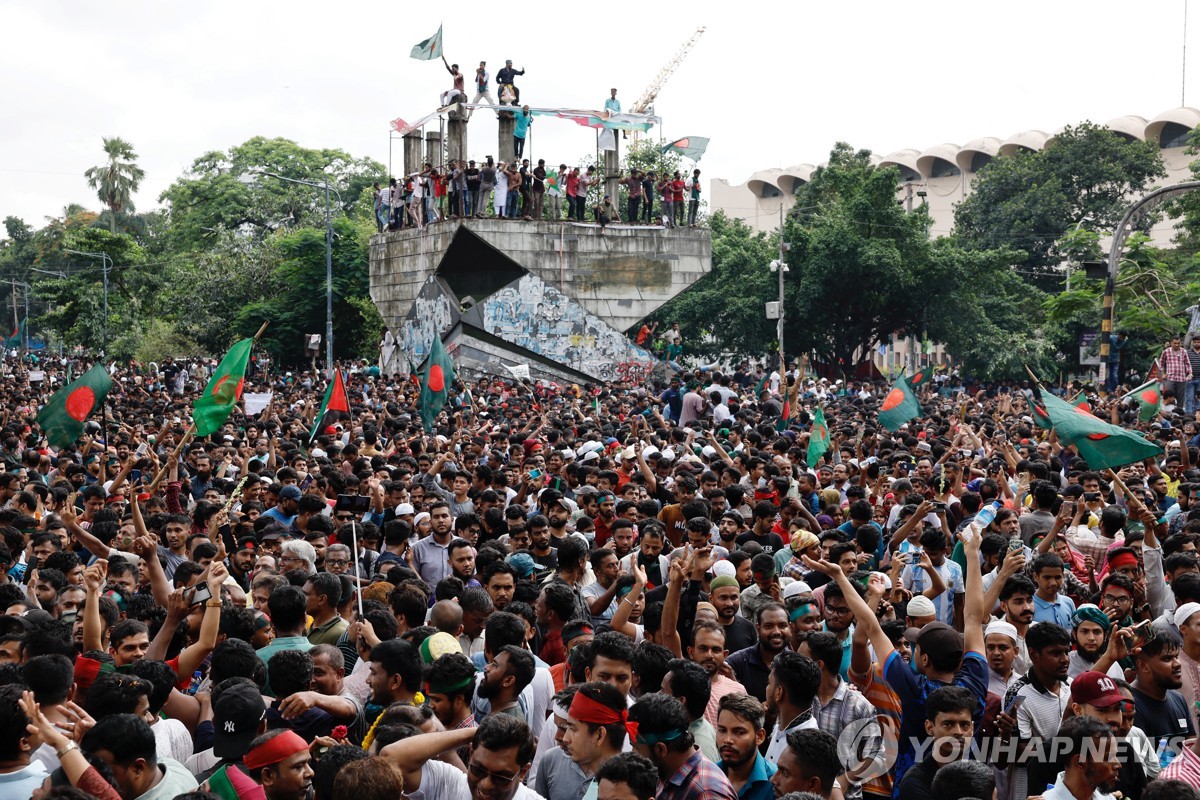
{"x": 500, "y": 780}
{"x": 286, "y": 559}
{"x": 1113, "y": 599}
{"x": 839, "y": 611}
{"x": 336, "y": 562}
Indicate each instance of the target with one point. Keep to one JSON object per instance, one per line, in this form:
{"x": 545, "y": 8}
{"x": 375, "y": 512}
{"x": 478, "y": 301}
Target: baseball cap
{"x": 290, "y": 493}
{"x": 524, "y": 564}
{"x": 921, "y": 606}
{"x": 237, "y": 712}
{"x": 273, "y": 530}
{"x": 1095, "y": 689}
{"x": 936, "y": 637}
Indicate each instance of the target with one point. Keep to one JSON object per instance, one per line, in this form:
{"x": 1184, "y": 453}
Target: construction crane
{"x": 644, "y": 102}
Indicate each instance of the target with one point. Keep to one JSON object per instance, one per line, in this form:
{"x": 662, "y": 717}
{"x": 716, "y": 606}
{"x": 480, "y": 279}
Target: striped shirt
{"x": 1039, "y": 716}
{"x": 887, "y": 713}
{"x": 915, "y": 579}
{"x": 721, "y": 686}
{"x": 1184, "y": 767}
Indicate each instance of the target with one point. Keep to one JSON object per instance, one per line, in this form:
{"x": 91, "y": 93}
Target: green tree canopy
{"x": 1028, "y": 201}
{"x": 227, "y": 191}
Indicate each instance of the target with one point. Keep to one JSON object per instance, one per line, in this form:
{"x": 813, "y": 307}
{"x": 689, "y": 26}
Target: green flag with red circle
{"x": 818, "y": 438}
{"x": 224, "y": 389}
{"x": 1101, "y": 445}
{"x": 899, "y": 406}
{"x": 1149, "y": 400}
{"x": 64, "y": 414}
{"x": 435, "y": 382}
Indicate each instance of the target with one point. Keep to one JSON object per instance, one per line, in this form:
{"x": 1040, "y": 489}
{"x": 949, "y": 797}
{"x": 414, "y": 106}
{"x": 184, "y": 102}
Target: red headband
{"x": 1123, "y": 560}
{"x": 585, "y": 709}
{"x": 285, "y": 745}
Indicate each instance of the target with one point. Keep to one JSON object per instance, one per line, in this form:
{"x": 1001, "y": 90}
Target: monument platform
{"x": 556, "y": 296}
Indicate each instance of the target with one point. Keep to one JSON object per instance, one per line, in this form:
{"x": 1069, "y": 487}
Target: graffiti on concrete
{"x": 535, "y": 316}
{"x": 433, "y": 313}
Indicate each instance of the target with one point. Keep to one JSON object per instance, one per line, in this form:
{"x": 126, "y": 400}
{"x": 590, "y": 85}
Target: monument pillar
{"x": 412, "y": 153}
{"x": 612, "y": 169}
{"x": 507, "y": 124}
{"x": 456, "y": 133}
{"x": 433, "y": 148}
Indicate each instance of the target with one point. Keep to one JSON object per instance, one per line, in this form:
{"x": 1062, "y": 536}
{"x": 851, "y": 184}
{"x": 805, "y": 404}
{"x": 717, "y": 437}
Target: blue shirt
{"x": 522, "y": 125}
{"x": 758, "y": 785}
{"x": 274, "y": 513}
{"x": 1059, "y": 612}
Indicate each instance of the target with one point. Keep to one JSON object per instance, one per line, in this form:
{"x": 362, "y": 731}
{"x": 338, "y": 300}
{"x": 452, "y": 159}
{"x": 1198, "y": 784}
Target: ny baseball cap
{"x": 236, "y": 714}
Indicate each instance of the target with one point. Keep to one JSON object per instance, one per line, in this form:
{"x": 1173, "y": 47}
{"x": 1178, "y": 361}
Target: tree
{"x": 295, "y": 295}
{"x": 228, "y": 192}
{"x": 722, "y": 312}
{"x": 1028, "y": 201}
{"x": 116, "y": 180}
{"x": 858, "y": 262}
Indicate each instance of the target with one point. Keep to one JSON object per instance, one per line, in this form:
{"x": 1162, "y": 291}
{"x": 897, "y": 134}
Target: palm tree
{"x": 117, "y": 180}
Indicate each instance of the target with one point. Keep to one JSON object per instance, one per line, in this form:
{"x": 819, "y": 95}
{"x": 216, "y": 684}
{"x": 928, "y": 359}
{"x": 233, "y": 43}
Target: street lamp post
{"x": 328, "y": 263}
{"x": 105, "y": 266}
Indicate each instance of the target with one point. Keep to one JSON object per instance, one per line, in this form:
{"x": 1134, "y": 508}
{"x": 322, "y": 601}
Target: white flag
{"x": 519, "y": 371}
{"x": 256, "y": 402}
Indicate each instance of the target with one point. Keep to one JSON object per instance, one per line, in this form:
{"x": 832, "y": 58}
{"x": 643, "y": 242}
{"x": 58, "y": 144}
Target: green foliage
{"x": 1154, "y": 289}
{"x": 117, "y": 179}
{"x": 723, "y": 311}
{"x": 214, "y": 197}
{"x": 294, "y": 301}
{"x": 1028, "y": 201}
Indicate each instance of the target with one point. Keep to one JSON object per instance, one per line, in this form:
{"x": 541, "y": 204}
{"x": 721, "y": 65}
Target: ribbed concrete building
{"x": 944, "y": 172}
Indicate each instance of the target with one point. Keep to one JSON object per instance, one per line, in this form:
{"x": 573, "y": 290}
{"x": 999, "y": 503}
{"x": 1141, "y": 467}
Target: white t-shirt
{"x": 440, "y": 781}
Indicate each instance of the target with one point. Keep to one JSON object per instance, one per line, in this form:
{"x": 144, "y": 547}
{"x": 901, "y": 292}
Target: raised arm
{"x": 411, "y": 754}
{"x": 669, "y": 627}
{"x": 620, "y": 620}
{"x": 863, "y": 614}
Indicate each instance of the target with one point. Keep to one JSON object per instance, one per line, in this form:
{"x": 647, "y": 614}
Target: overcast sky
{"x": 772, "y": 83}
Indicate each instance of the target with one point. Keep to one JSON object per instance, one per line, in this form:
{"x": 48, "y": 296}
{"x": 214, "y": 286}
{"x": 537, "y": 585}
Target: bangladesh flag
{"x": 224, "y": 389}
{"x": 818, "y": 438}
{"x": 1101, "y": 445}
{"x": 920, "y": 377}
{"x": 67, "y": 409}
{"x": 435, "y": 382}
{"x": 1149, "y": 400}
{"x": 335, "y": 401}
{"x": 17, "y": 335}
{"x": 1042, "y": 419}
{"x": 899, "y": 406}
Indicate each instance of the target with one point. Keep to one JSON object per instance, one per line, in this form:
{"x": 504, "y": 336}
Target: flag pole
{"x": 357, "y": 563}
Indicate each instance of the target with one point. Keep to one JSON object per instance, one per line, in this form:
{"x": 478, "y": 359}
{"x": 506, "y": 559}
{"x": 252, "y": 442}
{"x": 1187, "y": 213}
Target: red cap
{"x": 1095, "y": 689}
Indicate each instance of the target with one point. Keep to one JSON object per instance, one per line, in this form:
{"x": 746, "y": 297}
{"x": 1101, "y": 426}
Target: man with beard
{"x": 1096, "y": 695}
{"x": 430, "y": 556}
{"x": 623, "y": 535}
{"x": 1091, "y": 764}
{"x": 559, "y": 513}
{"x": 1159, "y": 709}
{"x": 725, "y": 593}
{"x": 540, "y": 546}
{"x": 752, "y": 665}
{"x": 241, "y": 562}
{"x": 1043, "y": 692}
{"x": 662, "y": 737}
{"x": 1187, "y": 618}
{"x": 606, "y": 514}
{"x": 501, "y": 754}
{"x": 740, "y": 732}
{"x": 950, "y": 727}
{"x": 836, "y": 707}
{"x": 504, "y": 678}
{"x": 1089, "y": 632}
{"x": 395, "y": 673}
{"x": 708, "y": 650}
{"x": 791, "y": 691}
{"x": 808, "y": 764}
{"x": 175, "y": 553}
{"x": 1000, "y": 641}
{"x": 596, "y": 726}
{"x": 1016, "y": 601}
{"x": 461, "y": 556}
{"x": 500, "y": 581}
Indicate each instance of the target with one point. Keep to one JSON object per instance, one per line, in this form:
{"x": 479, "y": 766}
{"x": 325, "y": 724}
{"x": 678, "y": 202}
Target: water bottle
{"x": 987, "y": 514}
{"x": 1165, "y": 756}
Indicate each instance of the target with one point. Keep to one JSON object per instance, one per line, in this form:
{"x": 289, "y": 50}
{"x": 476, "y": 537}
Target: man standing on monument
{"x": 505, "y": 78}
{"x": 482, "y": 90}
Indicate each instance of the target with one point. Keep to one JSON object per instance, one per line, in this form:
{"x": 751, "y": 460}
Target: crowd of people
{"x": 515, "y": 190}
{"x": 621, "y": 592}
